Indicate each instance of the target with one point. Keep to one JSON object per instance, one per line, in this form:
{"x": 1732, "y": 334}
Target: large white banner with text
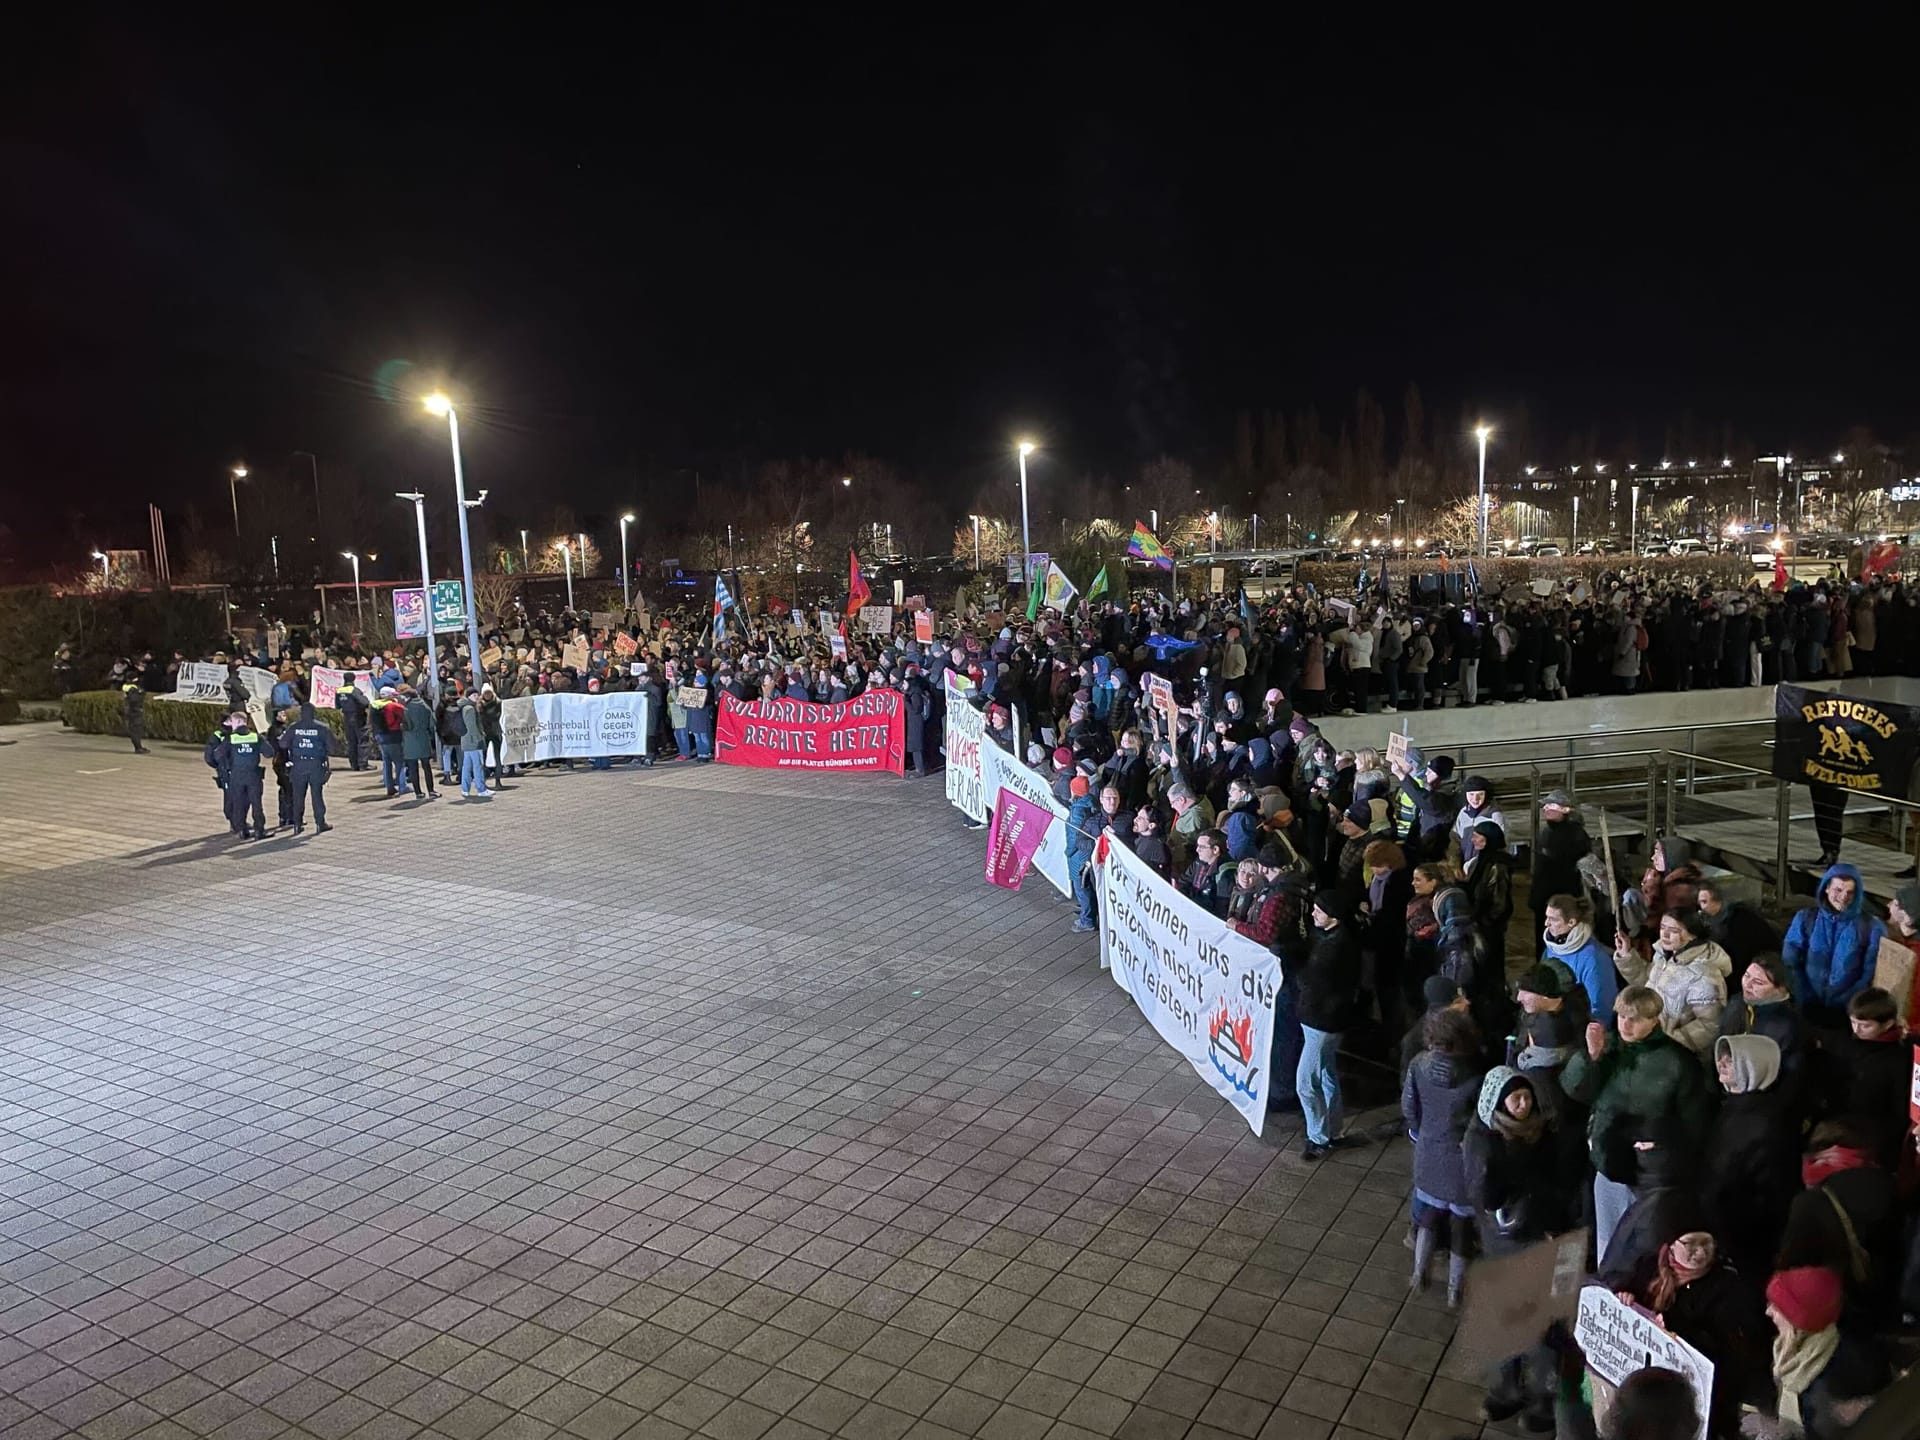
{"x": 966, "y": 737}
{"x": 1206, "y": 988}
{"x": 571, "y": 727}
{"x": 998, "y": 769}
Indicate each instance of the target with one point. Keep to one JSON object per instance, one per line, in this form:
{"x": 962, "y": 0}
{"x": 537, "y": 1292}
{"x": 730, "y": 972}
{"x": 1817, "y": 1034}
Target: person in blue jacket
{"x": 1831, "y": 948}
{"x": 1084, "y": 824}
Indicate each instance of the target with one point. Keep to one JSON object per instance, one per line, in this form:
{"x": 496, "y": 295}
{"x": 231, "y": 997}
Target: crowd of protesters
{"x": 1723, "y": 1104}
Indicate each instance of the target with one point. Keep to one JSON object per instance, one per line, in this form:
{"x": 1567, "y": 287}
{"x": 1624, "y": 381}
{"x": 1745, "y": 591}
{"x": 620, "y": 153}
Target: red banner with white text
{"x": 867, "y": 732}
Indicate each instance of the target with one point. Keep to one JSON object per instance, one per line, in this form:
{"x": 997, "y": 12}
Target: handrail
{"x": 1599, "y": 731}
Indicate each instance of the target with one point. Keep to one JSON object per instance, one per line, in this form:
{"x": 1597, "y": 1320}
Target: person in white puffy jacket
{"x": 1689, "y": 972}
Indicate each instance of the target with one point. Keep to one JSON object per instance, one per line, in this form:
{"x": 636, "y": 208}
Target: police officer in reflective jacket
{"x": 242, "y": 749}
{"x": 214, "y": 752}
{"x": 305, "y": 745}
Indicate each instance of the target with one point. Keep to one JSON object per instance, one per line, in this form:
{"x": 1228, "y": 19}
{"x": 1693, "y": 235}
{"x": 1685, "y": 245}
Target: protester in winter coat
{"x": 1084, "y": 824}
{"x": 1671, "y": 882}
{"x": 1665, "y": 1205}
{"x": 1824, "y": 1376}
{"x": 1560, "y": 843}
{"x": 1479, "y": 805}
{"x": 1439, "y": 994}
{"x": 416, "y": 745}
{"x": 1570, "y": 944}
{"x": 1848, "y": 1219}
{"x": 1465, "y": 959}
{"x": 1830, "y": 949}
{"x": 1328, "y": 986}
{"x": 1869, "y": 1074}
{"x": 1208, "y": 880}
{"x": 1688, "y": 971}
{"x": 1437, "y": 1100}
{"x": 1750, "y": 1169}
{"x": 1629, "y": 1076}
{"x": 1489, "y": 872}
{"x": 1548, "y": 1033}
{"x": 1705, "y": 1300}
{"x": 1383, "y": 934}
{"x": 1737, "y": 927}
{"x": 1764, "y": 1006}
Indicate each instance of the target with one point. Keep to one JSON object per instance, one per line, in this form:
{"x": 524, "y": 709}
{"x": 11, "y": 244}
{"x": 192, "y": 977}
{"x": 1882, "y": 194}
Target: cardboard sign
{"x": 916, "y": 602}
{"x": 1893, "y": 973}
{"x": 690, "y": 697}
{"x": 624, "y": 644}
{"x": 1515, "y": 1297}
{"x": 1397, "y": 748}
{"x": 923, "y": 626}
{"x": 574, "y": 654}
{"x": 1913, "y": 1097}
{"x": 1619, "y": 1339}
{"x": 490, "y": 657}
{"x": 876, "y": 620}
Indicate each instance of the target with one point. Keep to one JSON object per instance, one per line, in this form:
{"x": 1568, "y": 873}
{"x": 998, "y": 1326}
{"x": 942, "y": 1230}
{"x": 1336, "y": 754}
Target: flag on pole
{"x": 722, "y": 602}
{"x": 1033, "y": 601}
{"x": 1059, "y": 590}
{"x": 1385, "y": 586}
{"x": 1473, "y": 577}
{"x": 1144, "y": 546}
{"x": 1098, "y": 587}
{"x": 858, "y": 591}
{"x": 1246, "y": 610}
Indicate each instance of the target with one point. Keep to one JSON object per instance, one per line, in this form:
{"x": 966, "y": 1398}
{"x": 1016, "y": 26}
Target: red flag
{"x": 858, "y": 592}
{"x": 1779, "y": 570}
{"x": 1878, "y": 558}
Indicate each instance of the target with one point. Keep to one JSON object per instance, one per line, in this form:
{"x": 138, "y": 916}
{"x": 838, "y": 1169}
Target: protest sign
{"x": 198, "y": 680}
{"x": 829, "y": 624}
{"x": 1018, "y": 826}
{"x": 490, "y": 657}
{"x": 1893, "y": 973}
{"x": 573, "y": 654}
{"x": 966, "y": 737}
{"x": 410, "y": 614}
{"x": 1000, "y": 771}
{"x": 923, "y": 626}
{"x": 1160, "y": 692}
{"x": 327, "y": 683}
{"x": 916, "y": 602}
{"x": 1397, "y": 748}
{"x": 1618, "y": 1339}
{"x": 1913, "y": 1094}
{"x": 624, "y": 644}
{"x": 690, "y": 697}
{"x": 1825, "y": 738}
{"x": 876, "y": 619}
{"x": 1037, "y": 564}
{"x": 570, "y": 726}
{"x": 1206, "y": 988}
{"x": 837, "y": 643}
{"x": 867, "y": 732}
{"x": 1515, "y": 1297}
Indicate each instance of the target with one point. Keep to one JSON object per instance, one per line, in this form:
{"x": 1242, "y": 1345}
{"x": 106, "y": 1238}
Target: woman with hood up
{"x": 1688, "y": 971}
{"x": 1524, "y": 1179}
{"x": 1437, "y": 1101}
{"x": 1750, "y": 1170}
{"x": 1489, "y": 872}
{"x": 1671, "y": 882}
{"x": 1465, "y": 959}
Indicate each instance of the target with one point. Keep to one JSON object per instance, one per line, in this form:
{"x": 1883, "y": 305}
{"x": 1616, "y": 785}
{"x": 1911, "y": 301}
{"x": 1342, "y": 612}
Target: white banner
{"x": 1208, "y": 989}
{"x": 200, "y": 681}
{"x": 1000, "y": 770}
{"x": 966, "y": 738}
{"x": 569, "y": 726}
{"x": 1619, "y": 1339}
{"x": 327, "y": 683}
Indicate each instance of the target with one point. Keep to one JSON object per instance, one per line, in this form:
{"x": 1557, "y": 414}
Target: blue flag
{"x": 722, "y": 602}
{"x": 1246, "y": 610}
{"x": 1164, "y": 645}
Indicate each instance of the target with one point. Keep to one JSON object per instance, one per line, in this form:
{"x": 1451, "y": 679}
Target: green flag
{"x": 1098, "y": 587}
{"x": 1033, "y": 597}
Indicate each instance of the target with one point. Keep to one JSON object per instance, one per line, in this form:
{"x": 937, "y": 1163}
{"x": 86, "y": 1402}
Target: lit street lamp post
{"x": 1256, "y": 530}
{"x": 1026, "y": 544}
{"x": 236, "y": 474}
{"x": 626, "y": 595}
{"x": 359, "y": 614}
{"x": 566, "y": 556}
{"x": 1573, "y": 543}
{"x": 1483, "y": 432}
{"x": 426, "y": 587}
{"x": 106, "y": 572}
{"x": 441, "y": 405}
{"x": 524, "y": 566}
{"x": 1633, "y": 522}
{"x": 976, "y": 543}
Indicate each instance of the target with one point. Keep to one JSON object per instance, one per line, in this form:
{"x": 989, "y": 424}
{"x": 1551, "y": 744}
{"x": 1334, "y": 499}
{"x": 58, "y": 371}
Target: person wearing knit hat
{"x": 1820, "y": 1372}
{"x": 1326, "y": 998}
{"x": 1542, "y": 981}
{"x": 1477, "y": 804}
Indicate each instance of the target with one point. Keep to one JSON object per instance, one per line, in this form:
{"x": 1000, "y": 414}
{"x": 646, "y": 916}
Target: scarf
{"x": 1798, "y": 1359}
{"x": 1577, "y": 938}
{"x": 1670, "y": 1279}
{"x": 1831, "y": 1161}
{"x": 1520, "y": 1132}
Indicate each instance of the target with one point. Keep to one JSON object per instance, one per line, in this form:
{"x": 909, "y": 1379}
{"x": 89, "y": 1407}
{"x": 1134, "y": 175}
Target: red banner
{"x": 1018, "y": 827}
{"x": 867, "y": 732}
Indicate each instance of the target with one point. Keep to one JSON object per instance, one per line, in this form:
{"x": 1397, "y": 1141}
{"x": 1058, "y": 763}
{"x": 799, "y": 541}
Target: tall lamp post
{"x": 626, "y": 596}
{"x": 426, "y": 587}
{"x": 1026, "y": 544}
{"x": 234, "y": 476}
{"x": 566, "y": 556}
{"x": 1633, "y": 523}
{"x": 1573, "y": 544}
{"x": 106, "y": 571}
{"x": 524, "y": 566}
{"x": 359, "y": 614}
{"x": 438, "y": 404}
{"x": 1483, "y": 431}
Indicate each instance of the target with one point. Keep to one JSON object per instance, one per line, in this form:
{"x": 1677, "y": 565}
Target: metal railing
{"x": 1691, "y": 730}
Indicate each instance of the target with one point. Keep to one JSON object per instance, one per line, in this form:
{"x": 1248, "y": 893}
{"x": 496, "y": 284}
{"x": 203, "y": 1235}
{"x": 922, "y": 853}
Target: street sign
{"x": 449, "y": 606}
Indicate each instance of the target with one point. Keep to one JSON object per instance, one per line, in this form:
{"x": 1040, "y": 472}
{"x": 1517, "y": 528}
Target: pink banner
{"x": 1018, "y": 827}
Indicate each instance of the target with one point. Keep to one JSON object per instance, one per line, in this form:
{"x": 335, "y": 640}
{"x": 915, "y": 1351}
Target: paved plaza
{"x": 694, "y": 1101}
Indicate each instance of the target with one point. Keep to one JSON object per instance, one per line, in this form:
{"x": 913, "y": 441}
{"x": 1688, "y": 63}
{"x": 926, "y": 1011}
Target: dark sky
{"x": 640, "y": 245}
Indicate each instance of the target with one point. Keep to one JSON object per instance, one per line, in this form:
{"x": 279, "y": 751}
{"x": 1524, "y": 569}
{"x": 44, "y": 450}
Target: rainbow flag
{"x": 1059, "y": 591}
{"x": 1144, "y": 546}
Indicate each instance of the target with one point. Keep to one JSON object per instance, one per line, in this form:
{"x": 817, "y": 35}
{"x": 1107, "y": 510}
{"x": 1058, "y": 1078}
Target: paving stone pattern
{"x": 699, "y": 1101}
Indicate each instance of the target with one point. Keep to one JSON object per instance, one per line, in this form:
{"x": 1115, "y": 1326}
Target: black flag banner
{"x": 1824, "y": 738}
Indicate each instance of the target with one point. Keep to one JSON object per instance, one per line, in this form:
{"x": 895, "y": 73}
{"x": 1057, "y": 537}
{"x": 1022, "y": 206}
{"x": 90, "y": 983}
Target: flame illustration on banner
{"x": 1232, "y": 1034}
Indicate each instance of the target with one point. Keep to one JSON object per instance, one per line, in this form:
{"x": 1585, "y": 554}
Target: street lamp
{"x": 1483, "y": 431}
{"x": 524, "y": 564}
{"x": 1633, "y": 523}
{"x": 1026, "y": 545}
{"x": 1256, "y": 528}
{"x": 236, "y": 474}
{"x": 566, "y": 556}
{"x": 438, "y": 404}
{"x": 359, "y": 614}
{"x": 1573, "y": 541}
{"x": 626, "y": 598}
{"x": 426, "y": 587}
{"x": 976, "y": 543}
{"x": 1213, "y": 533}
{"x": 273, "y": 543}
{"x": 106, "y": 573}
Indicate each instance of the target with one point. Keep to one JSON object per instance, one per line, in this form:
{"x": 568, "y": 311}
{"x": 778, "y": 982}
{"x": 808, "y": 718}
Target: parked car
{"x": 1597, "y": 547}
{"x": 1687, "y": 546}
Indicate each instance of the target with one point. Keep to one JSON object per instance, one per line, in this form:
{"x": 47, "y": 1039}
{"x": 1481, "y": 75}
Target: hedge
{"x": 104, "y": 712}
{"x": 36, "y": 620}
{"x": 1497, "y": 572}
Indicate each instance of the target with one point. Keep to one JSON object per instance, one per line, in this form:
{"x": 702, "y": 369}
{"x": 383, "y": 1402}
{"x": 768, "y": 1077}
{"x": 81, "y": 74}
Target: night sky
{"x": 652, "y": 248}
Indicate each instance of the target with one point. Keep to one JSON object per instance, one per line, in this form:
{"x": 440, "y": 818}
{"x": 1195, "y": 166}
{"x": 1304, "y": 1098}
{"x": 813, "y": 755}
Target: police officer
{"x": 305, "y": 745}
{"x": 244, "y": 750}
{"x": 136, "y": 716}
{"x": 214, "y": 752}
